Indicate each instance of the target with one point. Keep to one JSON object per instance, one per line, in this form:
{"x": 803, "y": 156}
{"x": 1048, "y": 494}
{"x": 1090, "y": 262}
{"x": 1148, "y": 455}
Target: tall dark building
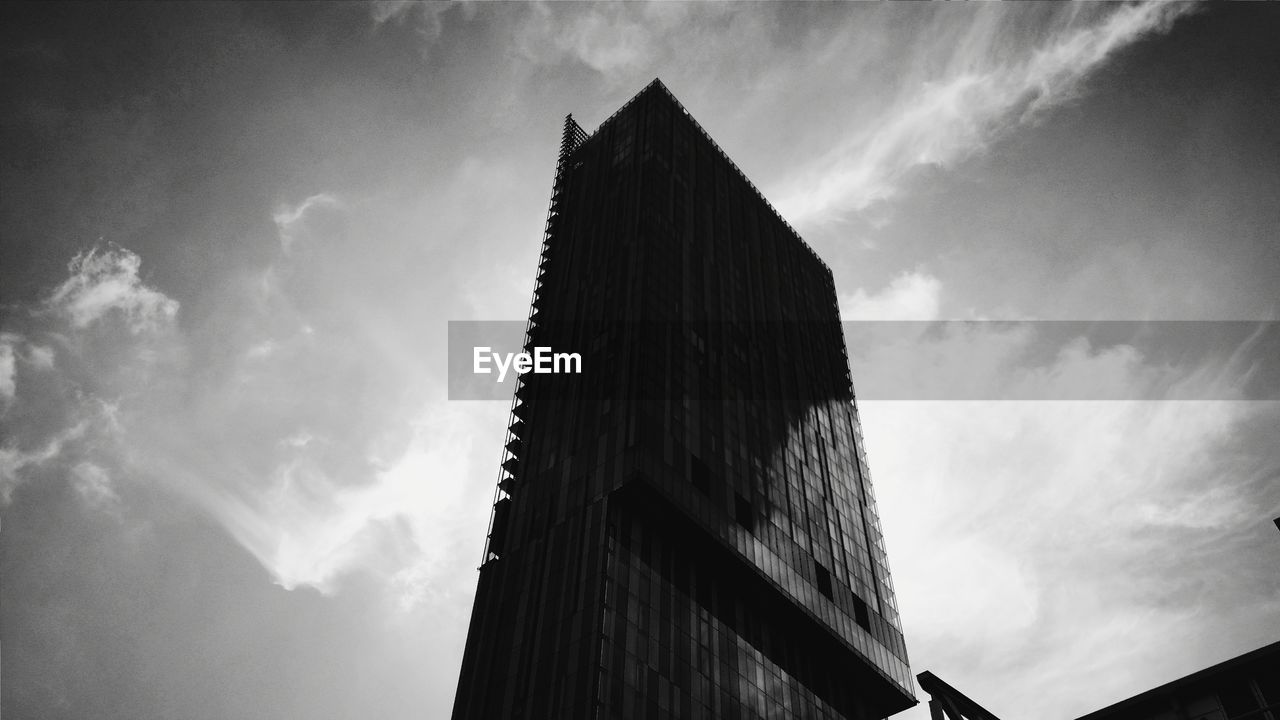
{"x": 686, "y": 529}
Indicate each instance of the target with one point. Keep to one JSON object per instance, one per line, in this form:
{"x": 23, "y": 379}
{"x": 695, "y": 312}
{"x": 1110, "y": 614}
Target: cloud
{"x": 425, "y": 19}
{"x": 99, "y": 335}
{"x": 105, "y": 280}
{"x": 15, "y": 463}
{"x": 981, "y": 91}
{"x": 93, "y": 485}
{"x": 914, "y": 295}
{"x": 307, "y": 431}
{"x": 945, "y": 577}
{"x": 616, "y": 40}
{"x": 606, "y": 39}
{"x": 392, "y": 10}
{"x": 8, "y": 367}
{"x": 1073, "y": 522}
{"x": 309, "y": 527}
{"x": 289, "y": 219}
{"x": 40, "y": 357}
{"x": 1050, "y": 360}
{"x": 1198, "y": 509}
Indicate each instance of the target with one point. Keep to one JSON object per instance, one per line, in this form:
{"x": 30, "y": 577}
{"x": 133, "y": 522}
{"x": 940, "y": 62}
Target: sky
{"x": 232, "y": 483}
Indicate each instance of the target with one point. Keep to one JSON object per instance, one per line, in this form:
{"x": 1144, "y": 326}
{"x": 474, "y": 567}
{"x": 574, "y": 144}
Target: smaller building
{"x": 1246, "y": 687}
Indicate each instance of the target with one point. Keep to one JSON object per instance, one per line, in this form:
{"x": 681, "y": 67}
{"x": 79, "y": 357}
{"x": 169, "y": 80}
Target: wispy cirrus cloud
{"x": 288, "y": 219}
{"x": 987, "y": 86}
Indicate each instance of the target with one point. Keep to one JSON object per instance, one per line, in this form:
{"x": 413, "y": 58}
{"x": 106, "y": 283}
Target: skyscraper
{"x": 686, "y": 529}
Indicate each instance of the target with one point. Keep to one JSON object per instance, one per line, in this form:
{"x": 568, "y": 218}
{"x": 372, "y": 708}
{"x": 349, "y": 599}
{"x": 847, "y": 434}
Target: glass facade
{"x": 686, "y": 529}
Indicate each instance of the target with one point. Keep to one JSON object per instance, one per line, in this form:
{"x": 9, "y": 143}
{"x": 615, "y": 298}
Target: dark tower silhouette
{"x": 686, "y": 529}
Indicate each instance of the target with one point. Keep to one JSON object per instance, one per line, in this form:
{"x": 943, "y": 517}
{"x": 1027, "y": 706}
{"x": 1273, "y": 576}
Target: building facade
{"x": 686, "y": 529}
